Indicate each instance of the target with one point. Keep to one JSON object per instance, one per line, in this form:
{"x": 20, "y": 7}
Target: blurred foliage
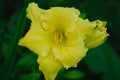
{"x": 18, "y": 63}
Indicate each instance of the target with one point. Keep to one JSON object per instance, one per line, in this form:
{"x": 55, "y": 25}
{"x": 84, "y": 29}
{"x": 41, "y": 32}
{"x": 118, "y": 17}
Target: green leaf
{"x": 104, "y": 60}
{"x": 60, "y": 74}
{"x": 1, "y": 39}
{"x": 5, "y": 48}
{"x": 1, "y": 42}
{"x": 31, "y": 76}
{"x": 95, "y": 60}
{"x": 27, "y": 60}
{"x": 83, "y": 15}
{"x": 6, "y": 70}
{"x": 73, "y": 74}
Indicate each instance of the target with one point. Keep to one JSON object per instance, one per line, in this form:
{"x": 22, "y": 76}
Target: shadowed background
{"x": 18, "y": 63}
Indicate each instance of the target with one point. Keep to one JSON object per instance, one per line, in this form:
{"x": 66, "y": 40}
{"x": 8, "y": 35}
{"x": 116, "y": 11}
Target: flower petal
{"x": 34, "y": 13}
{"x": 37, "y": 40}
{"x": 71, "y": 52}
{"x": 60, "y": 19}
{"x": 85, "y": 27}
{"x": 49, "y": 66}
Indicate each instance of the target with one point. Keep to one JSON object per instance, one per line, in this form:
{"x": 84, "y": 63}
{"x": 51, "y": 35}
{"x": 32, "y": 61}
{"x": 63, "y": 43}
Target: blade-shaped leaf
{"x": 73, "y": 74}
{"x": 104, "y": 60}
{"x": 31, "y": 76}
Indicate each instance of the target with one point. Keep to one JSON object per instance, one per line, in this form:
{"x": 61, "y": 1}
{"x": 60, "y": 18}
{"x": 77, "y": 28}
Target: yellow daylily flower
{"x": 59, "y": 37}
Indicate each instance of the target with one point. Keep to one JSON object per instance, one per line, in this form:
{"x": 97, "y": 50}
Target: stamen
{"x": 58, "y": 38}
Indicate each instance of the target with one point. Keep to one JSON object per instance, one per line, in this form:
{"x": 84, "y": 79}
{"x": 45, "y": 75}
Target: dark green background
{"x": 18, "y": 63}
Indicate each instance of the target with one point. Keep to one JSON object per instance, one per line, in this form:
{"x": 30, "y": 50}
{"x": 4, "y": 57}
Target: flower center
{"x": 58, "y": 38}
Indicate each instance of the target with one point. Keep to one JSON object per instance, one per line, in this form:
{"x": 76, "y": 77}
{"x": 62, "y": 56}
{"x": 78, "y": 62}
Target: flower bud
{"x": 98, "y": 35}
